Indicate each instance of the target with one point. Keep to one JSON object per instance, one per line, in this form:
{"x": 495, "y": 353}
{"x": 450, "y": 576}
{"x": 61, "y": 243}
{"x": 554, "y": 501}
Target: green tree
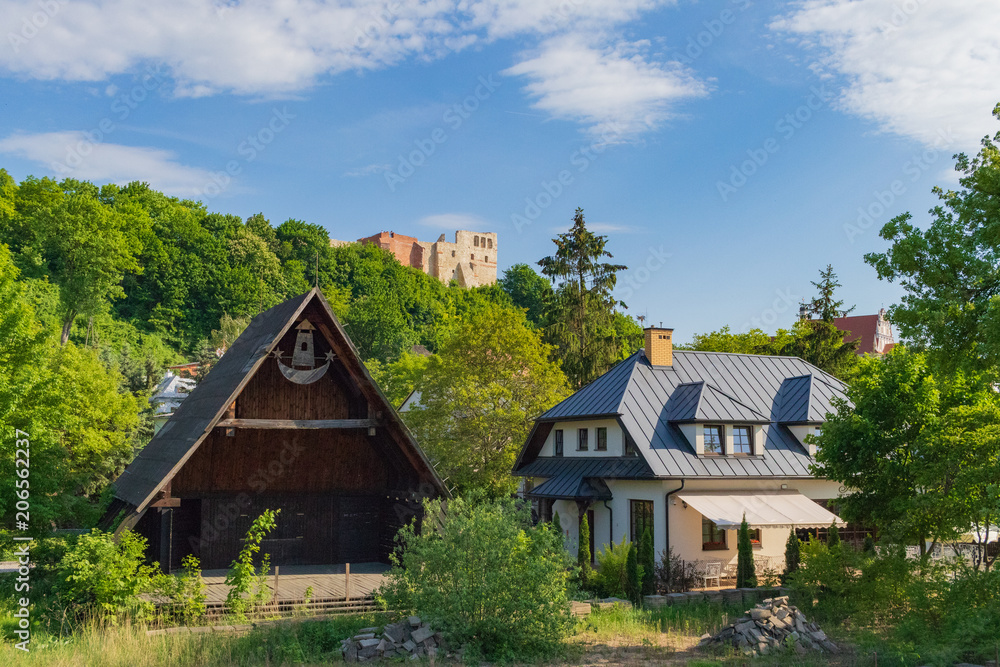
{"x": 633, "y": 575}
{"x": 950, "y": 268}
{"x": 398, "y": 378}
{"x": 486, "y": 577}
{"x": 920, "y": 453}
{"x": 833, "y": 536}
{"x": 243, "y": 575}
{"x": 583, "y": 551}
{"x": 479, "y": 397}
{"x": 647, "y": 559}
{"x": 582, "y": 307}
{"x": 754, "y": 341}
{"x": 791, "y": 555}
{"x": 819, "y": 341}
{"x": 527, "y": 290}
{"x": 86, "y": 248}
{"x": 557, "y": 525}
{"x": 746, "y": 573}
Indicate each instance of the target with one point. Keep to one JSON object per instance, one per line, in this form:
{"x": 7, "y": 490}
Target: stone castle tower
{"x": 471, "y": 260}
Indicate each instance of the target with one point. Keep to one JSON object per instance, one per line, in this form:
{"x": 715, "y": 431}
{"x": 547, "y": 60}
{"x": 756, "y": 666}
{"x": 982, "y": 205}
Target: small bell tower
{"x": 304, "y": 356}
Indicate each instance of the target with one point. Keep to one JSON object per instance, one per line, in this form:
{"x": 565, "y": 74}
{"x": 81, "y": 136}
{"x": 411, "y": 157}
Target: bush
{"x": 792, "y": 557}
{"x": 484, "y": 577}
{"x": 185, "y": 593}
{"x": 633, "y": 575}
{"x": 647, "y": 559}
{"x": 746, "y": 575}
{"x": 674, "y": 575}
{"x": 611, "y": 579}
{"x": 583, "y": 552}
{"x": 98, "y": 578}
{"x": 247, "y": 587}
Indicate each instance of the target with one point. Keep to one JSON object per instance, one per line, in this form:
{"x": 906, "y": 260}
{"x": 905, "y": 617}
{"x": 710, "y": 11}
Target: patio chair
{"x": 713, "y": 570}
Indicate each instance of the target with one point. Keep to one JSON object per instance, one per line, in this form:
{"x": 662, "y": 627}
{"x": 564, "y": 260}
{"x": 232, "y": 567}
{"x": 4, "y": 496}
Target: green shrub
{"x": 99, "y": 578}
{"x": 184, "y": 593}
{"x": 832, "y": 535}
{"x": 791, "y": 555}
{"x": 247, "y": 587}
{"x": 612, "y": 578}
{"x": 633, "y": 576}
{"x": 647, "y": 560}
{"x": 673, "y": 574}
{"x": 746, "y": 575}
{"x": 583, "y": 552}
{"x": 484, "y": 577}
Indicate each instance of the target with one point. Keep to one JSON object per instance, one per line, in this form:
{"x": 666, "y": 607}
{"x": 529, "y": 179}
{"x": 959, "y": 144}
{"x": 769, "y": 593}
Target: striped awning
{"x": 777, "y": 509}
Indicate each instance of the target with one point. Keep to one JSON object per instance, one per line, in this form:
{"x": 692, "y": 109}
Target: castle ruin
{"x": 471, "y": 260}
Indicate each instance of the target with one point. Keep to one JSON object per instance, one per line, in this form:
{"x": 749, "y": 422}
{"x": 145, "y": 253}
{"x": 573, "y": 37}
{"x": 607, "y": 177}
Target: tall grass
{"x": 309, "y": 641}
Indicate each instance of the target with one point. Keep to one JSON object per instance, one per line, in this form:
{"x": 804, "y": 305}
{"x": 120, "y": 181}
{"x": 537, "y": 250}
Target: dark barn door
{"x": 310, "y": 530}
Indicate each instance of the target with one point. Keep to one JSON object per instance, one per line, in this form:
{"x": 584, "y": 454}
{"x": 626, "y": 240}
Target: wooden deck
{"x": 327, "y": 581}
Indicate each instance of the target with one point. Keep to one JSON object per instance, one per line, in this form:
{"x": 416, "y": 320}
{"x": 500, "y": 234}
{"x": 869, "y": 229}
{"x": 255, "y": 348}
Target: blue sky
{"x": 726, "y": 148}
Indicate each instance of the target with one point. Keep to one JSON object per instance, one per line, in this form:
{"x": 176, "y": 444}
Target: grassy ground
{"x": 606, "y": 639}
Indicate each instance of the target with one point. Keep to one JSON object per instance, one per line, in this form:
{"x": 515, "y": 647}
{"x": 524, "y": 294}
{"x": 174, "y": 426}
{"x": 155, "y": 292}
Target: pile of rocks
{"x": 770, "y": 625}
{"x": 411, "y": 639}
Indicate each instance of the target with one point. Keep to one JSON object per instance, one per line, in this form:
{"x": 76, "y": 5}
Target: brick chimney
{"x": 659, "y": 346}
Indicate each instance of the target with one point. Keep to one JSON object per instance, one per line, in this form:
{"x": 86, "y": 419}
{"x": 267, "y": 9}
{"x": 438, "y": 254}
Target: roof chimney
{"x": 659, "y": 346}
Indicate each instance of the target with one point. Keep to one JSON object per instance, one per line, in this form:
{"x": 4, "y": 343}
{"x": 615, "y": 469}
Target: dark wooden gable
{"x": 330, "y": 451}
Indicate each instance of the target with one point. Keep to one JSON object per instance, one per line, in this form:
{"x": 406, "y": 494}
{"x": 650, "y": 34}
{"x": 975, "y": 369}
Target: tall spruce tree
{"x": 583, "y": 557}
{"x": 832, "y": 536}
{"x": 647, "y": 558}
{"x": 746, "y": 575}
{"x": 791, "y": 554}
{"x": 633, "y": 575}
{"x": 581, "y": 309}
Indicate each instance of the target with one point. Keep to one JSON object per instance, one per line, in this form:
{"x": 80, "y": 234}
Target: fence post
{"x": 276, "y": 569}
{"x": 347, "y": 581}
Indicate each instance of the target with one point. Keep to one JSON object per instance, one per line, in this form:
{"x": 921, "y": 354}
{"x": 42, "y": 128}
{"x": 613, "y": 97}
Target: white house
{"x": 167, "y": 397}
{"x": 686, "y": 443}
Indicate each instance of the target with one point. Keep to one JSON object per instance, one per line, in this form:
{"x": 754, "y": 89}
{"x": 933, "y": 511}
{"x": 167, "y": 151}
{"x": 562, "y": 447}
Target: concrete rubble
{"x": 410, "y": 639}
{"x": 772, "y": 625}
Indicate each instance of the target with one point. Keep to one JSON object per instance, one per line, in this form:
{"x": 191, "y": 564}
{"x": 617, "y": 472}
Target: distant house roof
{"x": 169, "y": 393}
{"x": 874, "y": 332}
{"x": 651, "y": 403}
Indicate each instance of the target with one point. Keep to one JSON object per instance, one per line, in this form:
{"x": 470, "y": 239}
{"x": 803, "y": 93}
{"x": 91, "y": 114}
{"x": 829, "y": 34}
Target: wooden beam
{"x": 297, "y": 423}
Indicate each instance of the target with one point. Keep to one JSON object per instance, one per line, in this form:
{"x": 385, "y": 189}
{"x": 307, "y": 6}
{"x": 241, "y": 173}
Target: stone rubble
{"x": 771, "y": 625}
{"x": 411, "y": 639}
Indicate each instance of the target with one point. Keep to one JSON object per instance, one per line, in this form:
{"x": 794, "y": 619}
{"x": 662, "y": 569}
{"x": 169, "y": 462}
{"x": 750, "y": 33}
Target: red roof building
{"x": 874, "y": 332}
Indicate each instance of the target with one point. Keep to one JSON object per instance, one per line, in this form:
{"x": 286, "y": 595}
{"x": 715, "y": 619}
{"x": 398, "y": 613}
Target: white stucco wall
{"x": 685, "y": 523}
{"x": 616, "y": 440}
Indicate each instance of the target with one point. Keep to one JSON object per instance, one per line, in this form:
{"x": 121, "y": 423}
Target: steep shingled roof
{"x": 174, "y": 444}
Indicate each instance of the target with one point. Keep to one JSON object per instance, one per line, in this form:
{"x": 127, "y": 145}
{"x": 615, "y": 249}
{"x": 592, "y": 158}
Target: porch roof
{"x": 763, "y": 509}
{"x": 572, "y": 486}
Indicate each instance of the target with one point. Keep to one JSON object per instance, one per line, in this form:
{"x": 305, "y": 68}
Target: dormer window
{"x": 602, "y": 439}
{"x": 581, "y": 443}
{"x": 559, "y": 442}
{"x": 742, "y": 440}
{"x": 714, "y": 441}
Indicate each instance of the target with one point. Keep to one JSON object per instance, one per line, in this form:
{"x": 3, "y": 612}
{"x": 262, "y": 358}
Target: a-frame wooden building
{"x": 288, "y": 418}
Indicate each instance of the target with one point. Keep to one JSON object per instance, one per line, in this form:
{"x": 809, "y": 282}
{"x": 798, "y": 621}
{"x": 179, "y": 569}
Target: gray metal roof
{"x": 601, "y": 397}
{"x": 571, "y": 486}
{"x": 608, "y": 467}
{"x": 713, "y": 386}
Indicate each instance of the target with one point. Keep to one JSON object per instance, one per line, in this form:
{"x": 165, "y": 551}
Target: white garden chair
{"x": 713, "y": 570}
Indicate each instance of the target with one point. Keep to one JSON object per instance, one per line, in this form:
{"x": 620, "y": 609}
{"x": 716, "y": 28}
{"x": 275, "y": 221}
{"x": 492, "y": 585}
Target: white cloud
{"x": 72, "y": 154}
{"x": 615, "y": 91}
{"x": 916, "y": 67}
{"x": 453, "y": 221}
{"x": 265, "y": 47}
